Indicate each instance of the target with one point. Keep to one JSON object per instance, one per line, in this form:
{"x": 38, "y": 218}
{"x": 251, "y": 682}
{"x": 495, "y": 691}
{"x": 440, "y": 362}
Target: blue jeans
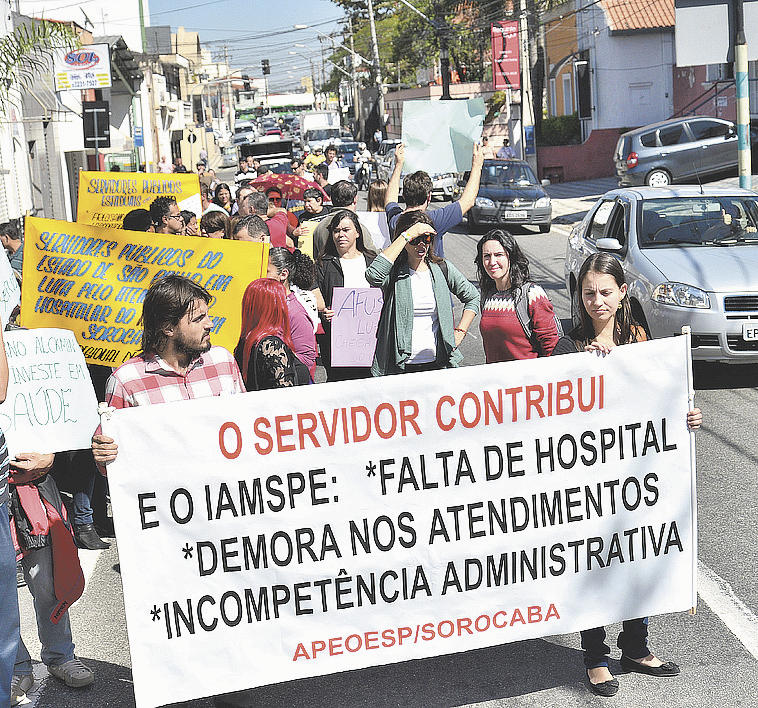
{"x": 632, "y": 641}
{"x": 9, "y": 626}
{"x": 57, "y": 647}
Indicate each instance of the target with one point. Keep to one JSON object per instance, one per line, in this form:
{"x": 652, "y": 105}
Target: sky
{"x": 240, "y": 25}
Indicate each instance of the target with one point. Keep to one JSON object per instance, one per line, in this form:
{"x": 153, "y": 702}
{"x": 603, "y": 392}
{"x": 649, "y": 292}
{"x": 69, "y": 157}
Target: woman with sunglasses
{"x": 341, "y": 264}
{"x": 507, "y": 295}
{"x": 606, "y": 323}
{"x": 417, "y": 330}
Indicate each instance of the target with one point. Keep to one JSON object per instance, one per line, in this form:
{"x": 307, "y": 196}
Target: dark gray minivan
{"x": 675, "y": 150}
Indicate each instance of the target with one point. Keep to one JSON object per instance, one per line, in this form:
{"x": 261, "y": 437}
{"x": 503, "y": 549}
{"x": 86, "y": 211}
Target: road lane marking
{"x": 88, "y": 561}
{"x": 735, "y": 614}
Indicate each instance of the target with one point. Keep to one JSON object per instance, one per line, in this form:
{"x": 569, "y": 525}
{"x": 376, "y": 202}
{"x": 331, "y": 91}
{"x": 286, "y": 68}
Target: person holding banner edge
{"x": 417, "y": 330}
{"x": 607, "y": 322}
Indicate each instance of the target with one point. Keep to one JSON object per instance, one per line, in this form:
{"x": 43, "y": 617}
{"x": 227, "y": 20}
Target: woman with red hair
{"x": 265, "y": 351}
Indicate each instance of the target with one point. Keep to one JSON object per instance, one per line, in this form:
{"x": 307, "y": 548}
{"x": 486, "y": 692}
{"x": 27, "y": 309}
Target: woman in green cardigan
{"x": 417, "y": 330}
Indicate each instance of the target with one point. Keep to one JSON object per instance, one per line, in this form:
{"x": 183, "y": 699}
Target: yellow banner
{"x": 105, "y": 198}
{"x": 305, "y": 240}
{"x": 92, "y": 281}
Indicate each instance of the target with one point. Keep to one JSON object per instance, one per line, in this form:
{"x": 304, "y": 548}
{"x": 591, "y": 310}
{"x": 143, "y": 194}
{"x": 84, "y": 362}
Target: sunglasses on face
{"x": 276, "y": 200}
{"x": 424, "y": 238}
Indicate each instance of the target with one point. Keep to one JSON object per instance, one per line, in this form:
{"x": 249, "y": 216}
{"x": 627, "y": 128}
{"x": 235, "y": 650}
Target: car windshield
{"x": 346, "y": 148}
{"x": 699, "y": 221}
{"x": 324, "y": 134}
{"x": 508, "y": 173}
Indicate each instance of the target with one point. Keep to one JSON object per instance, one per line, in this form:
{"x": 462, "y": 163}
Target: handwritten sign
{"x": 105, "y": 198}
{"x": 93, "y": 281}
{"x": 354, "y": 325}
{"x": 406, "y": 517}
{"x": 51, "y": 404}
{"x": 10, "y": 292}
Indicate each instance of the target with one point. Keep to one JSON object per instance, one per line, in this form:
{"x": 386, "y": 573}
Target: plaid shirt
{"x": 147, "y": 381}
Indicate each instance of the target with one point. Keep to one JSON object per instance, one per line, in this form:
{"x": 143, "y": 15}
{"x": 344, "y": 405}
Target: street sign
{"x": 506, "y": 72}
{"x": 96, "y": 121}
{"x": 192, "y": 138}
{"x": 88, "y": 67}
{"x": 697, "y": 45}
{"x": 139, "y": 139}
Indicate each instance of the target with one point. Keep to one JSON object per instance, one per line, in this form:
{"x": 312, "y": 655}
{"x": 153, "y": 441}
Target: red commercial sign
{"x": 506, "y": 69}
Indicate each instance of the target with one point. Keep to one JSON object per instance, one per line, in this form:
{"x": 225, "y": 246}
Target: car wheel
{"x": 545, "y": 228}
{"x": 576, "y": 318}
{"x": 658, "y": 178}
{"x": 639, "y": 318}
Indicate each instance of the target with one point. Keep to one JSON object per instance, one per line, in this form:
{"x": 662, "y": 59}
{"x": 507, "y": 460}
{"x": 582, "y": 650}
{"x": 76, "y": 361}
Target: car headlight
{"x": 484, "y": 202}
{"x": 542, "y": 202}
{"x": 681, "y": 295}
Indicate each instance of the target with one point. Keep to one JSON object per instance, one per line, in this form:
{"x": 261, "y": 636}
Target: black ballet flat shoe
{"x": 606, "y": 688}
{"x": 668, "y": 668}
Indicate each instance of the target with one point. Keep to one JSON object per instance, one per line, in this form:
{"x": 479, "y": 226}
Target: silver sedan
{"x": 690, "y": 257}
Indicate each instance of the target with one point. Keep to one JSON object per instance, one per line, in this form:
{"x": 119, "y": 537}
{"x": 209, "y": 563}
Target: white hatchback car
{"x": 690, "y": 255}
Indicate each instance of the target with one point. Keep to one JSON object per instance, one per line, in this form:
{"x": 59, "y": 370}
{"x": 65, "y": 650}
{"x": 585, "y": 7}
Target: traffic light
{"x": 266, "y": 67}
{"x": 246, "y": 82}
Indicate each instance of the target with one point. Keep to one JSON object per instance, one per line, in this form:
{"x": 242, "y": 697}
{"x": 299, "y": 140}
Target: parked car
{"x": 345, "y": 152}
{"x": 509, "y": 195}
{"x": 691, "y": 258}
{"x": 677, "y": 150}
{"x": 443, "y": 185}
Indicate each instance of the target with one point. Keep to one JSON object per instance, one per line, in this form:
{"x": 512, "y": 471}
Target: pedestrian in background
{"x": 295, "y": 271}
{"x": 222, "y": 197}
{"x": 607, "y": 322}
{"x": 190, "y": 223}
{"x": 518, "y": 320}
{"x": 377, "y": 193}
{"x": 265, "y": 351}
{"x": 215, "y": 224}
{"x": 417, "y": 330}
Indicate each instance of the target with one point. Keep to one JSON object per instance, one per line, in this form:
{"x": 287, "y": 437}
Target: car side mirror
{"x": 608, "y": 244}
{"x": 545, "y": 182}
{"x": 731, "y": 132}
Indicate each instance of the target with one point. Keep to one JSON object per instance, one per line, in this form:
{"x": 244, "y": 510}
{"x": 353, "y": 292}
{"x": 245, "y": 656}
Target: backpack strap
{"x": 521, "y": 301}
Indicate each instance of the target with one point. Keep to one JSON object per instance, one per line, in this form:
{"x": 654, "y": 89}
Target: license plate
{"x": 509, "y": 214}
{"x": 750, "y": 332}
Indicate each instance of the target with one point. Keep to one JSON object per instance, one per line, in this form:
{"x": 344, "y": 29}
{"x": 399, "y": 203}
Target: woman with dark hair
{"x": 223, "y": 197}
{"x": 215, "y": 224}
{"x": 264, "y": 352}
{"x": 296, "y": 274}
{"x": 377, "y": 191}
{"x": 417, "y": 330}
{"x": 507, "y": 296}
{"x": 341, "y": 264}
{"x": 190, "y": 223}
{"x": 607, "y": 322}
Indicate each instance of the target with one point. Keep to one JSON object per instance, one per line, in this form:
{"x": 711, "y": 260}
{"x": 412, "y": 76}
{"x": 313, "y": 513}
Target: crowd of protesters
{"x": 287, "y": 319}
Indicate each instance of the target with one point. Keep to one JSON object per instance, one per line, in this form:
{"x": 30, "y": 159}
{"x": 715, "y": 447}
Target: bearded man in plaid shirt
{"x": 177, "y": 362}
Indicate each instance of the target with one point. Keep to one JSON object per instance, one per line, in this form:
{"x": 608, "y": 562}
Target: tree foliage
{"x": 29, "y": 51}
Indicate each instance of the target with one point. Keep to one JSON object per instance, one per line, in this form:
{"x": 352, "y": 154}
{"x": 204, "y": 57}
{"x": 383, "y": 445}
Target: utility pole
{"x": 743, "y": 101}
{"x": 356, "y": 88}
{"x": 440, "y": 27}
{"x": 377, "y": 67}
{"x": 229, "y": 99}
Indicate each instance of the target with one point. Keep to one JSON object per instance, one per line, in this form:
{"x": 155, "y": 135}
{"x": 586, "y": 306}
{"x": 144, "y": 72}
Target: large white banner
{"x": 290, "y": 533}
{"x": 50, "y": 405}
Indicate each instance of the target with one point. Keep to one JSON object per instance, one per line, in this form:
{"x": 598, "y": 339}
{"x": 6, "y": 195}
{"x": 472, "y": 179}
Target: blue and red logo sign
{"x": 82, "y": 59}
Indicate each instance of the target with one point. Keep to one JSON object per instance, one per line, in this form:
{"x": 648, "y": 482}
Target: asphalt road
{"x": 717, "y": 648}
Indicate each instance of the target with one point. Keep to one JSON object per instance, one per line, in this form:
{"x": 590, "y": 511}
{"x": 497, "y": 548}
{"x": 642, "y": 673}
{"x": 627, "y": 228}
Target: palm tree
{"x": 29, "y": 51}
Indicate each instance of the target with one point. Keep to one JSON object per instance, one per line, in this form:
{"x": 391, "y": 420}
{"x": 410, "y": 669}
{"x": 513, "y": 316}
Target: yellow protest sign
{"x": 92, "y": 281}
{"x": 105, "y": 198}
{"x": 305, "y": 240}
